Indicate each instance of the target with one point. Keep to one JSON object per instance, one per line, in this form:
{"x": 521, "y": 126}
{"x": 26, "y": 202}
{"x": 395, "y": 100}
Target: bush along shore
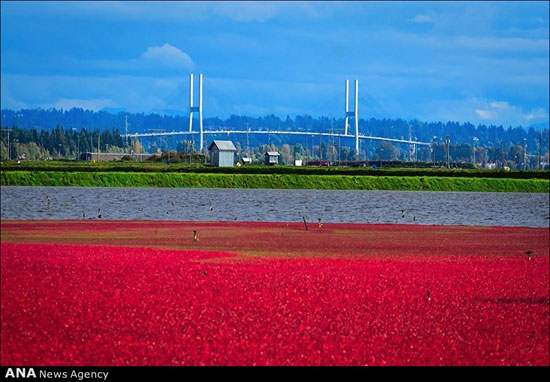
{"x": 280, "y": 181}
{"x": 69, "y": 166}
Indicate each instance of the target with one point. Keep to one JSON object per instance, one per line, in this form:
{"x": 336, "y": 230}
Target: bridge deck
{"x": 313, "y": 134}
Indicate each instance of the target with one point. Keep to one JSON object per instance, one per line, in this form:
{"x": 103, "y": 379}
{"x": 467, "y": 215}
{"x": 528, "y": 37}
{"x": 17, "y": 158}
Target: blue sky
{"x": 483, "y": 62}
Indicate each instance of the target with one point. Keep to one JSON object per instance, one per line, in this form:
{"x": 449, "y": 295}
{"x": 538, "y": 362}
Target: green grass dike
{"x": 280, "y": 181}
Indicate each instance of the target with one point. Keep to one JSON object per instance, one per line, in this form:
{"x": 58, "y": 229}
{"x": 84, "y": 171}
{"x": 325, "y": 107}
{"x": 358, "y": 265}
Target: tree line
{"x": 59, "y": 143}
{"x": 486, "y": 135}
{"x": 32, "y": 137}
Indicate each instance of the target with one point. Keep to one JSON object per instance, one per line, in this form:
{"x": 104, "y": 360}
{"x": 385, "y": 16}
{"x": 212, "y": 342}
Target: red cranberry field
{"x": 148, "y": 293}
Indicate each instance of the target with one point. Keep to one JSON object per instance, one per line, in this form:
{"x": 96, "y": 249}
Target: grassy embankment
{"x": 282, "y": 181}
{"x": 71, "y": 166}
{"x": 144, "y": 174}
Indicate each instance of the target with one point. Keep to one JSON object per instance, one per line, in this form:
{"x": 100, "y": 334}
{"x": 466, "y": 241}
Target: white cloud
{"x": 484, "y": 114}
{"x": 152, "y": 60}
{"x": 502, "y": 112}
{"x": 500, "y": 105}
{"x": 484, "y": 111}
{"x": 537, "y": 114}
{"x": 133, "y": 93}
{"x": 166, "y": 55}
{"x": 422, "y": 19}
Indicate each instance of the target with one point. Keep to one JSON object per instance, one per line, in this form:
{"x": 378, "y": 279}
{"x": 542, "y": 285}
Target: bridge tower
{"x": 195, "y": 108}
{"x": 354, "y": 114}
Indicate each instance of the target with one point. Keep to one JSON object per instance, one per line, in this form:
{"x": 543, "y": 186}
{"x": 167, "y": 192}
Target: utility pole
{"x": 205, "y": 149}
{"x": 98, "y": 139}
{"x": 312, "y": 146}
{"x": 339, "y": 151}
{"x": 434, "y": 138}
{"x": 307, "y": 153}
{"x": 525, "y": 153}
{"x": 540, "y": 150}
{"x": 247, "y": 142}
{"x": 447, "y": 142}
{"x": 502, "y": 154}
{"x": 160, "y": 131}
{"x": 320, "y": 152}
{"x": 410, "y": 144}
{"x": 9, "y": 149}
{"x": 474, "y": 153}
{"x": 331, "y": 141}
{"x": 126, "y": 128}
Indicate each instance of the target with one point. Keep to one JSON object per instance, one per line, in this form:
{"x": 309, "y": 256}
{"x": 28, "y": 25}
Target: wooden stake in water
{"x": 305, "y": 223}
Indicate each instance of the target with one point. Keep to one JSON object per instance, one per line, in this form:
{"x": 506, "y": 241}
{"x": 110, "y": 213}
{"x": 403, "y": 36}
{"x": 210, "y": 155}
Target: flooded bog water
{"x": 405, "y": 207}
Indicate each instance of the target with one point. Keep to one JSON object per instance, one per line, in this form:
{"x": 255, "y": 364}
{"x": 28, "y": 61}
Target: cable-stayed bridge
{"x": 230, "y": 131}
{"x": 349, "y": 114}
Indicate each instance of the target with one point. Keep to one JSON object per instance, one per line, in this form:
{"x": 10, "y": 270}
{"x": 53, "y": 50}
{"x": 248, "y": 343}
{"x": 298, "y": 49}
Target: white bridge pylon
{"x": 195, "y": 108}
{"x": 354, "y": 114}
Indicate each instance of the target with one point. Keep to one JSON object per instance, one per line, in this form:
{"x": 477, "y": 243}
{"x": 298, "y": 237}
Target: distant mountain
{"x": 113, "y": 110}
{"x": 171, "y": 112}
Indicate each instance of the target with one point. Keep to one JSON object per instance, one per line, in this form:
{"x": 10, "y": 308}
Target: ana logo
{"x": 20, "y": 372}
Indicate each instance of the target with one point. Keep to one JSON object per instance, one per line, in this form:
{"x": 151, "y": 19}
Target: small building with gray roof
{"x": 222, "y": 153}
{"x": 272, "y": 157}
